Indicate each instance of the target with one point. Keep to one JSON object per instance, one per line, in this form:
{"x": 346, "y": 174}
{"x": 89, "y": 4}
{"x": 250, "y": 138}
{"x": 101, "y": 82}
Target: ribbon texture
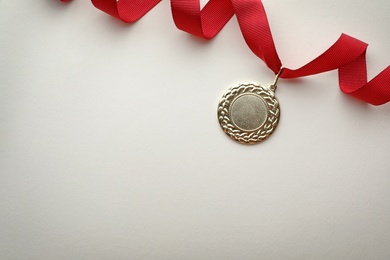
{"x": 347, "y": 54}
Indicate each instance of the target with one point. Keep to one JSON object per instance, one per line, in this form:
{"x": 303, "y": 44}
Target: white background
{"x": 110, "y": 146}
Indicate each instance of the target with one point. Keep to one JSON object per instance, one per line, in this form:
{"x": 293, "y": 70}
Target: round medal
{"x": 249, "y": 113}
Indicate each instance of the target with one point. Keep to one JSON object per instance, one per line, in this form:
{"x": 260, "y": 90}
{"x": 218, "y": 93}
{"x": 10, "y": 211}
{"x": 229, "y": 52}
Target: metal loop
{"x": 273, "y": 85}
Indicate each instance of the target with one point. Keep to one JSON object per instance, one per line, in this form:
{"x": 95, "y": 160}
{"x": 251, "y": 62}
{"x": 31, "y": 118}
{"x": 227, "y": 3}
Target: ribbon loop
{"x": 128, "y": 11}
{"x": 205, "y": 23}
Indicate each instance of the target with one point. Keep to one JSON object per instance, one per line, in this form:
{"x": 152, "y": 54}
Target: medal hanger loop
{"x": 273, "y": 86}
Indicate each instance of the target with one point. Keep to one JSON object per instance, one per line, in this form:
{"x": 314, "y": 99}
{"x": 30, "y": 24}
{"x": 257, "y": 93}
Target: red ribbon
{"x": 347, "y": 54}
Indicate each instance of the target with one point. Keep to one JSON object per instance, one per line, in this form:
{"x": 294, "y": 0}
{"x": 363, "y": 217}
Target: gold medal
{"x": 249, "y": 113}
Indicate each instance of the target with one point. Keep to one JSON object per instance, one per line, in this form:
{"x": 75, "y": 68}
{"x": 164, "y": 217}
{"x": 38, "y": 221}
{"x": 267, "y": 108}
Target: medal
{"x": 249, "y": 113}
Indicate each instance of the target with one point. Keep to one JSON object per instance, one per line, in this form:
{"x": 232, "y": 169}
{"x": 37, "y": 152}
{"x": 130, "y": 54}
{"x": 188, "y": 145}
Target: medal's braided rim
{"x": 258, "y": 135}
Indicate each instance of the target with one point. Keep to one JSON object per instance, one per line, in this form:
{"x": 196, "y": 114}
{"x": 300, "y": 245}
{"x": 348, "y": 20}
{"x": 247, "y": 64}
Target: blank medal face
{"x": 248, "y": 113}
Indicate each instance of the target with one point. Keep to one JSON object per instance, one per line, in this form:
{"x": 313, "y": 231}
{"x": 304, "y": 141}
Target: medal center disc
{"x": 248, "y": 112}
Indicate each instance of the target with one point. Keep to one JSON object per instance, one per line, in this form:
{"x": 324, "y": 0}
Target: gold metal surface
{"x": 249, "y": 113}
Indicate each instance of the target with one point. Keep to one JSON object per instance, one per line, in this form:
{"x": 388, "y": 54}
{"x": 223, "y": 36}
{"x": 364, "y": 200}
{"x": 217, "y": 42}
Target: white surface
{"x": 110, "y": 146}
